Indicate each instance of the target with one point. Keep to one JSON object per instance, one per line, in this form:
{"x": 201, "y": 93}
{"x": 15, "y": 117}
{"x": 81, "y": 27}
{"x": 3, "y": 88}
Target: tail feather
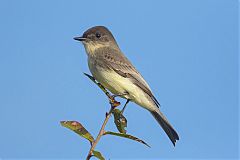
{"x": 162, "y": 120}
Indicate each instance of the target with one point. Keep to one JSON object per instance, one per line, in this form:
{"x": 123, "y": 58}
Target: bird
{"x": 112, "y": 69}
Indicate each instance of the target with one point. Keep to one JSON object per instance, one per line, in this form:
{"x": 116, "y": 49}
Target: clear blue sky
{"x": 187, "y": 51}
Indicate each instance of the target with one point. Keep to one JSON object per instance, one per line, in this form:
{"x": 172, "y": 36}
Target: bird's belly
{"x": 108, "y": 78}
{"x": 111, "y": 81}
{"x": 117, "y": 84}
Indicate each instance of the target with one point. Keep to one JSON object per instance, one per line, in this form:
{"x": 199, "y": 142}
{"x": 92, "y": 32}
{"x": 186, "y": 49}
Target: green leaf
{"x": 94, "y": 80}
{"x": 120, "y": 121}
{"x": 126, "y": 136}
{"x": 78, "y": 128}
{"x": 98, "y": 155}
{"x": 113, "y": 102}
{"x": 90, "y": 77}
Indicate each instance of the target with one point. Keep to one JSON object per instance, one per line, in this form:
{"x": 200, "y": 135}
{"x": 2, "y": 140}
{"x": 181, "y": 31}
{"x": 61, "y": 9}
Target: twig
{"x": 114, "y": 104}
{"x": 101, "y": 132}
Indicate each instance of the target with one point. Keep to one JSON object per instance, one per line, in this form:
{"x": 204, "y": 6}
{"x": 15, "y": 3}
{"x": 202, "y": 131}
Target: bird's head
{"x": 96, "y": 37}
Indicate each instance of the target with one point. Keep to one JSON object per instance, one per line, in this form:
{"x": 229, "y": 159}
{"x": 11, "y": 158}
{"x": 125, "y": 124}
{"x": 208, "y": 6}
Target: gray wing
{"x": 115, "y": 60}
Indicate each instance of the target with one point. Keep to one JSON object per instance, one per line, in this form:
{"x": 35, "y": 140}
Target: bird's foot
{"x": 113, "y": 102}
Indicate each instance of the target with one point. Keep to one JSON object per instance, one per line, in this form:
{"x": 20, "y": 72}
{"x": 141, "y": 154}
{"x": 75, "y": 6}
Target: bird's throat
{"x": 92, "y": 47}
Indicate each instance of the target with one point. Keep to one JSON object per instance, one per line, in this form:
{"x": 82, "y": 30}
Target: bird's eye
{"x": 98, "y": 35}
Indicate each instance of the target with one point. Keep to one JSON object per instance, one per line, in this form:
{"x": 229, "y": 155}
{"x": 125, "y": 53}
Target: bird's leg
{"x": 112, "y": 97}
{"x": 124, "y": 107}
{"x": 113, "y": 101}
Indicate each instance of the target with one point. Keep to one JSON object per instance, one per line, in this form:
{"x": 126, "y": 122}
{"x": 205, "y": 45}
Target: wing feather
{"x": 115, "y": 60}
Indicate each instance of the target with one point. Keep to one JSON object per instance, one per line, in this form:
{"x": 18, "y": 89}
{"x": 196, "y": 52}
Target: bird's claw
{"x": 113, "y": 102}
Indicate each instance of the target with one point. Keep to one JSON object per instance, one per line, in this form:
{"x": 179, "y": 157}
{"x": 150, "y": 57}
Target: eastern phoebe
{"x": 115, "y": 72}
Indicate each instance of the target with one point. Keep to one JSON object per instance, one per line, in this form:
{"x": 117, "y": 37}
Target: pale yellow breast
{"x": 119, "y": 85}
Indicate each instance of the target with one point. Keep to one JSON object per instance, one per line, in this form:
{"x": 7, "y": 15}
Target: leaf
{"x": 90, "y": 77}
{"x": 120, "y": 121}
{"x": 78, "y": 128}
{"x": 126, "y": 136}
{"x": 98, "y": 155}
{"x": 113, "y": 102}
{"x": 94, "y": 80}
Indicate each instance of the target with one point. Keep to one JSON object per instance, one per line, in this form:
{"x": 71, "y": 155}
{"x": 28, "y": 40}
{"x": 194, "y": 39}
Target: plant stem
{"x": 113, "y": 103}
{"x": 101, "y": 132}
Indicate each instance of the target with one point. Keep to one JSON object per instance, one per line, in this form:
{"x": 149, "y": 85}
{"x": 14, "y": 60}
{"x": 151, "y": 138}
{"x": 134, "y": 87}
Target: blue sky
{"x": 186, "y": 50}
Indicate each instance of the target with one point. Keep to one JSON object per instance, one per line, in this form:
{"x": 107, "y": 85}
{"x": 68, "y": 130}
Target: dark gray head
{"x": 98, "y": 35}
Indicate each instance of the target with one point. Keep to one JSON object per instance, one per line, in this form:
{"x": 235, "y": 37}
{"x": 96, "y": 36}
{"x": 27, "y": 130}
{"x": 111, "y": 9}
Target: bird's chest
{"x": 108, "y": 78}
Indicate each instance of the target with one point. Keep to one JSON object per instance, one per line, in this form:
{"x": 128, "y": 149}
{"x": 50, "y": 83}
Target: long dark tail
{"x": 162, "y": 120}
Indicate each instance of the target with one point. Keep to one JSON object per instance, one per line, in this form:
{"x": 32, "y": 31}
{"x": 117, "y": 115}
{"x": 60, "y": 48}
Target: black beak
{"x": 79, "y": 38}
